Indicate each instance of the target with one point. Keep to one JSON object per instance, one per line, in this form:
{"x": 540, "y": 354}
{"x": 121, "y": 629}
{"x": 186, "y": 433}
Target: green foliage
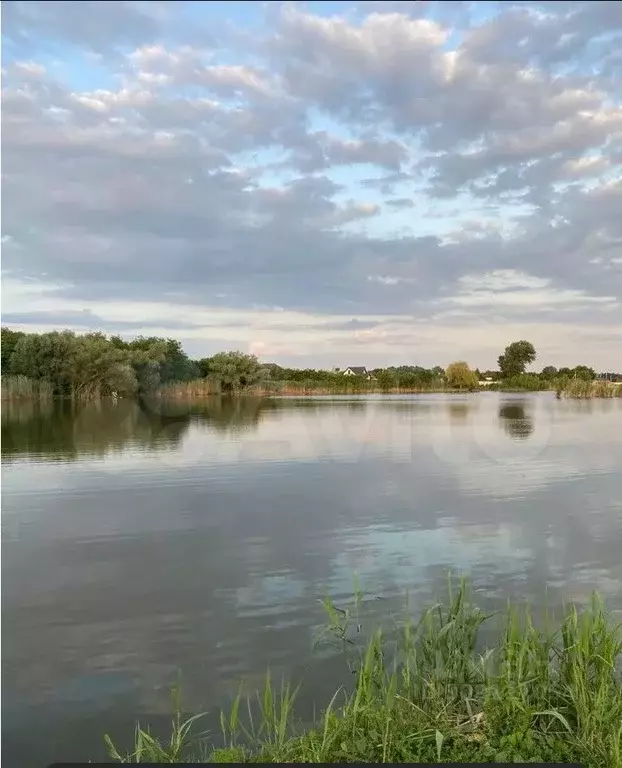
{"x": 387, "y": 379}
{"x": 516, "y": 357}
{"x": 203, "y": 367}
{"x": 416, "y": 377}
{"x": 583, "y": 372}
{"x": 494, "y": 375}
{"x": 404, "y": 377}
{"x": 429, "y": 692}
{"x": 100, "y": 368}
{"x": 460, "y": 376}
{"x": 158, "y": 361}
{"x": 92, "y": 365}
{"x": 9, "y": 339}
{"x": 234, "y": 370}
{"x": 524, "y": 382}
{"x": 46, "y": 356}
{"x": 549, "y": 372}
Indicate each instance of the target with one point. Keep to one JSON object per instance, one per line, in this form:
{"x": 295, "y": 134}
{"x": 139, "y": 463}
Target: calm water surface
{"x": 141, "y": 548}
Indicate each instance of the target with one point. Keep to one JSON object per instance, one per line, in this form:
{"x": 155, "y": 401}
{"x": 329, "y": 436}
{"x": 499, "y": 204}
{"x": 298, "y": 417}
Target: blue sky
{"x": 258, "y": 175}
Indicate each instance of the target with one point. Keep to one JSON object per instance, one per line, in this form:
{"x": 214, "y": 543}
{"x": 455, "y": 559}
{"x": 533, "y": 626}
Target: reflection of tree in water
{"x": 67, "y": 430}
{"x": 459, "y": 412}
{"x": 233, "y": 414}
{"x": 238, "y": 414}
{"x": 224, "y": 413}
{"x": 358, "y": 406}
{"x": 515, "y": 422}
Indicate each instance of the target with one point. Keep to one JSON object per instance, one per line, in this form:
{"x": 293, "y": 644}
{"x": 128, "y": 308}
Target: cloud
{"x": 92, "y": 26}
{"x": 431, "y": 166}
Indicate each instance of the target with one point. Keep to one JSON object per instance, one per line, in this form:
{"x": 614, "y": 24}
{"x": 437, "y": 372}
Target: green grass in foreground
{"x": 429, "y": 696}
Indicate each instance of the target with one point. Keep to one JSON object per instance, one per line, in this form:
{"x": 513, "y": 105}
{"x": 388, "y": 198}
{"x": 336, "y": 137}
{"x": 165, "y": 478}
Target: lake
{"x": 147, "y": 546}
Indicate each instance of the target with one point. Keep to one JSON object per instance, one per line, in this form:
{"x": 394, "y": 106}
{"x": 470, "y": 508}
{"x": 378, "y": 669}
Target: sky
{"x": 318, "y": 183}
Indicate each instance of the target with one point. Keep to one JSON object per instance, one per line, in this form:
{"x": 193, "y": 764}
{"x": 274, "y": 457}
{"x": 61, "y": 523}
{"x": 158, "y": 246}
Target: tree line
{"x": 95, "y": 365}
{"x": 92, "y": 364}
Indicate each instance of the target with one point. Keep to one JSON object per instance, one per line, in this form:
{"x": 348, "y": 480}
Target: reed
{"x": 23, "y": 388}
{"x": 581, "y": 389}
{"x": 196, "y": 388}
{"x": 427, "y": 692}
{"x": 199, "y": 388}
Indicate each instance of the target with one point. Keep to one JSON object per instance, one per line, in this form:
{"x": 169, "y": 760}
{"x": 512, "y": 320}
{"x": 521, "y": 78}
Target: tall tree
{"x": 176, "y": 365}
{"x": 516, "y": 358}
{"x": 100, "y": 368}
{"x": 583, "y": 372}
{"x": 203, "y": 366}
{"x": 549, "y": 372}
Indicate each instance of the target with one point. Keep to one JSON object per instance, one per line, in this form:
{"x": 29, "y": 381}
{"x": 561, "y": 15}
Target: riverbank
{"x": 430, "y": 692}
{"x": 578, "y": 389}
{"x": 23, "y": 388}
{"x": 206, "y": 388}
{"x": 20, "y": 388}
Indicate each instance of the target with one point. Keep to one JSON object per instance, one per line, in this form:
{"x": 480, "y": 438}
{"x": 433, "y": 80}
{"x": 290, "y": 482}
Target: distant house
{"x": 357, "y": 370}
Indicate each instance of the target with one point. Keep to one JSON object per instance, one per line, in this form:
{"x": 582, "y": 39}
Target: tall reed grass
{"x": 205, "y": 387}
{"x": 23, "y": 388}
{"x": 190, "y": 389}
{"x": 430, "y": 693}
{"x": 578, "y": 388}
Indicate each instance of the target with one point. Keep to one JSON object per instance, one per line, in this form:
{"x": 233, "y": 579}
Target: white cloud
{"x": 403, "y": 180}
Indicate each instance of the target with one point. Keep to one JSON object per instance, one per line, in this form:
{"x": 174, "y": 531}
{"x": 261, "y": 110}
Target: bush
{"x": 528, "y": 382}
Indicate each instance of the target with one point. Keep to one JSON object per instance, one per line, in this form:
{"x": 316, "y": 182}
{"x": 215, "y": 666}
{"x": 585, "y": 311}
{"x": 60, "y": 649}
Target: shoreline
{"x": 424, "y": 692}
{"x": 196, "y": 391}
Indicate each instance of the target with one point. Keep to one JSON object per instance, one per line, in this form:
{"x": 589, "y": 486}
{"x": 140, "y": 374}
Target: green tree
{"x": 549, "y": 372}
{"x": 234, "y": 370}
{"x": 158, "y": 361}
{"x": 146, "y": 360}
{"x": 386, "y": 379}
{"x": 583, "y": 372}
{"x": 9, "y": 342}
{"x": 516, "y": 357}
{"x": 203, "y": 366}
{"x": 273, "y": 372}
{"x": 176, "y": 365}
{"x": 459, "y": 376}
{"x": 47, "y": 356}
{"x": 100, "y": 367}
